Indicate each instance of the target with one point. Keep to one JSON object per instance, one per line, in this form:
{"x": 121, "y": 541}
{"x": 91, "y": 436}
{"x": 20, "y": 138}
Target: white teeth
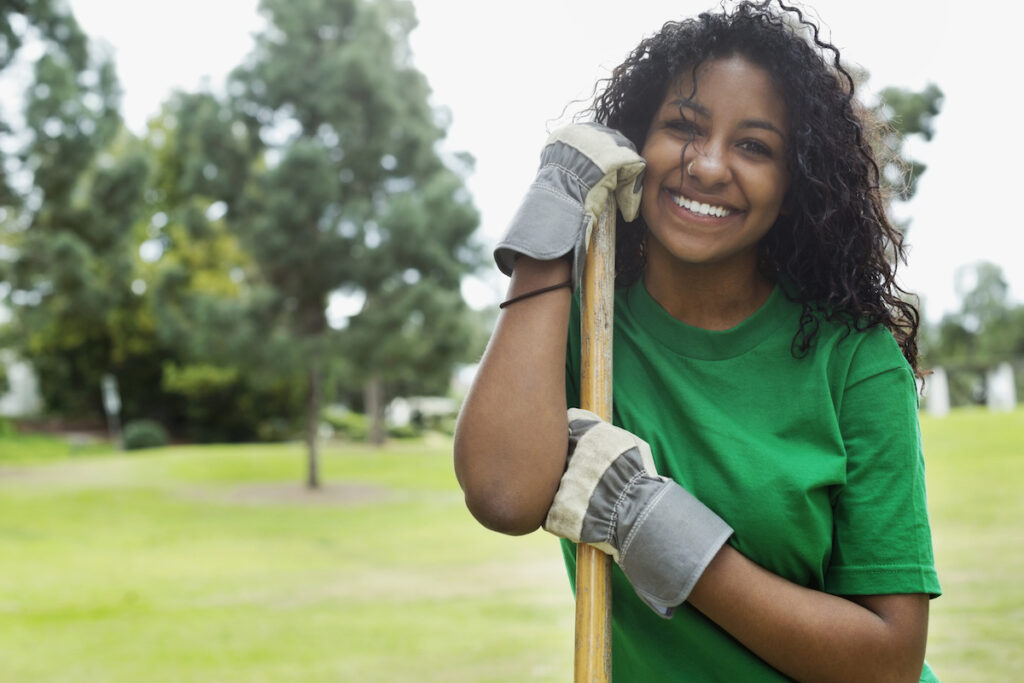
{"x": 701, "y": 208}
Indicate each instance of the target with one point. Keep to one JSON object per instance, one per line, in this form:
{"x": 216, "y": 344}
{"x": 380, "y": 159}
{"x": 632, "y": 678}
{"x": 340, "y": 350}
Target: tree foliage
{"x": 227, "y": 372}
{"x": 987, "y": 330}
{"x": 67, "y": 234}
{"x": 197, "y": 264}
{"x": 905, "y": 115}
{"x": 354, "y": 195}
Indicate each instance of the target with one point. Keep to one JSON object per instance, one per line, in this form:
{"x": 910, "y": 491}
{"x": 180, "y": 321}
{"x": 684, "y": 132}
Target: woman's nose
{"x": 708, "y": 164}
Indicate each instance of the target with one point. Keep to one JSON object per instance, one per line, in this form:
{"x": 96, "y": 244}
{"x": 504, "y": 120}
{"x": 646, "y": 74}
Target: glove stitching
{"x": 556, "y": 193}
{"x": 641, "y": 518}
{"x": 613, "y": 521}
{"x": 570, "y": 172}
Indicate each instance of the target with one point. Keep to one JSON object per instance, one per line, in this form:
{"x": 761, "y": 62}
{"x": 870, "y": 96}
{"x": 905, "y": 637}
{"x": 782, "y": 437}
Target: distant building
{"x": 22, "y": 398}
{"x": 1000, "y": 389}
{"x": 420, "y": 410}
{"x": 936, "y": 393}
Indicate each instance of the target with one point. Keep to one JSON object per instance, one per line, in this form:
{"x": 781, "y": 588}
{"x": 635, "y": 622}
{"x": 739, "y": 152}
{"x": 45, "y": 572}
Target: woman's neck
{"x": 712, "y": 297}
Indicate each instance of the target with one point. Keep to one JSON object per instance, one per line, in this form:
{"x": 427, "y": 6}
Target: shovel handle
{"x": 593, "y": 658}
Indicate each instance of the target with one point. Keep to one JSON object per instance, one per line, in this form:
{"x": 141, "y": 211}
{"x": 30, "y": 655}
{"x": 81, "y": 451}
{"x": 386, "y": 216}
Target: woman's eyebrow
{"x": 690, "y": 104}
{"x": 763, "y": 124}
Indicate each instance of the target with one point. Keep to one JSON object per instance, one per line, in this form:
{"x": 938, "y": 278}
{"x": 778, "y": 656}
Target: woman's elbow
{"x": 501, "y": 512}
{"x": 507, "y": 487}
{"x": 901, "y": 646}
{"x": 498, "y": 501}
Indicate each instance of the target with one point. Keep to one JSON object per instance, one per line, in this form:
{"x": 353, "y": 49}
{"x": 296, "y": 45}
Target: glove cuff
{"x": 669, "y": 546}
{"x": 592, "y": 495}
{"x": 547, "y": 226}
{"x": 580, "y": 166}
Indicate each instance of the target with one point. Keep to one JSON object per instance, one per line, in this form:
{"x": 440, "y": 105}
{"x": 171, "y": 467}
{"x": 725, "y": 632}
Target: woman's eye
{"x": 756, "y": 147}
{"x": 683, "y": 126}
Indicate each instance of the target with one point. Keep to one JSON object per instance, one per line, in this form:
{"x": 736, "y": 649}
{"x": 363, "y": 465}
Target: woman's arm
{"x": 512, "y": 435}
{"x": 511, "y": 439}
{"x": 810, "y": 635}
{"x": 673, "y": 549}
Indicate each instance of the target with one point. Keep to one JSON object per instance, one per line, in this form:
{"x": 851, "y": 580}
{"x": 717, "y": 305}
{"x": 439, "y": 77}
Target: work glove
{"x": 612, "y": 497}
{"x": 581, "y": 164}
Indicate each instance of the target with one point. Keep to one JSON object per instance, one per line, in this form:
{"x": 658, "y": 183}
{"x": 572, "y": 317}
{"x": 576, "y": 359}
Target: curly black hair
{"x": 835, "y": 247}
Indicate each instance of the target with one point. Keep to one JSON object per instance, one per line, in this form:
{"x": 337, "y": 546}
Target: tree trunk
{"x": 373, "y": 397}
{"x": 313, "y": 426}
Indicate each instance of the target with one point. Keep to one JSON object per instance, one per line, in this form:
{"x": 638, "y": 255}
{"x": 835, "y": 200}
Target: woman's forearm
{"x": 511, "y": 436}
{"x": 810, "y": 635}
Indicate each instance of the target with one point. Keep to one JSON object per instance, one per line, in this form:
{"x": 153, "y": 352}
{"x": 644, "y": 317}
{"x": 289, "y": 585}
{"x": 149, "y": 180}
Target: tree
{"x": 226, "y": 370}
{"x": 32, "y": 20}
{"x": 414, "y": 324}
{"x": 353, "y": 195}
{"x": 79, "y": 189}
{"x": 907, "y": 114}
{"x": 987, "y": 330}
{"x": 900, "y": 115}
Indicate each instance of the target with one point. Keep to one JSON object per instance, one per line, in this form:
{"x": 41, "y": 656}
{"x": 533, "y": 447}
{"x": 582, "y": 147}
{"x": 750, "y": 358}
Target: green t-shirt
{"x": 815, "y": 462}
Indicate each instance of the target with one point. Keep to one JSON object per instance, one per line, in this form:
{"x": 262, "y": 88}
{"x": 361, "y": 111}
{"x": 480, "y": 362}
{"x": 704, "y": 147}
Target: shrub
{"x": 446, "y": 425}
{"x": 353, "y": 426}
{"x": 143, "y": 434}
{"x": 276, "y": 429}
{"x": 409, "y": 431}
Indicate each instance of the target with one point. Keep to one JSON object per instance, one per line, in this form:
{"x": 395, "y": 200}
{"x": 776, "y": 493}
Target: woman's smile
{"x": 716, "y": 167}
{"x": 699, "y": 208}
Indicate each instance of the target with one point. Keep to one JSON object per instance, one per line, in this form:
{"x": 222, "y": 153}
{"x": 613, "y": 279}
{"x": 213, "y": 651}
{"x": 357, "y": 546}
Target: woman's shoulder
{"x": 843, "y": 335}
{"x": 862, "y": 349}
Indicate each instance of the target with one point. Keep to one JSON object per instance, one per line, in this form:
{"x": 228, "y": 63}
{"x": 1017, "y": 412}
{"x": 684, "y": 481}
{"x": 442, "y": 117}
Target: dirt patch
{"x": 288, "y": 493}
{"x": 68, "y": 475}
{"x": 110, "y": 474}
{"x": 542, "y": 578}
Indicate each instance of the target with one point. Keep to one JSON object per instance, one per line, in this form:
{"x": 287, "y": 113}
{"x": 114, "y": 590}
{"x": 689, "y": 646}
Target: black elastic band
{"x": 542, "y": 290}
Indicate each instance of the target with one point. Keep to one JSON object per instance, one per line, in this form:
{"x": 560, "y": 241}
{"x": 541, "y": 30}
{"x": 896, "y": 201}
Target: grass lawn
{"x": 975, "y": 463}
{"x": 213, "y": 563}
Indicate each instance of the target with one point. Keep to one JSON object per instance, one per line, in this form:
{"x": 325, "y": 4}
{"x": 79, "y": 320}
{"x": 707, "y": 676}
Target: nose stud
{"x": 689, "y": 169}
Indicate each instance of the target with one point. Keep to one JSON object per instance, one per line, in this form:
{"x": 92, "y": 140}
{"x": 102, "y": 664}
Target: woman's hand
{"x": 612, "y": 497}
{"x": 581, "y": 164}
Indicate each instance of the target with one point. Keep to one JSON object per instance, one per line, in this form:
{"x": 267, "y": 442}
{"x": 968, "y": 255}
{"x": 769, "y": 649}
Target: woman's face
{"x": 713, "y": 203}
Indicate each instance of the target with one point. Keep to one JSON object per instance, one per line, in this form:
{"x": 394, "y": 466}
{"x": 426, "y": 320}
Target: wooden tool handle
{"x": 593, "y": 660}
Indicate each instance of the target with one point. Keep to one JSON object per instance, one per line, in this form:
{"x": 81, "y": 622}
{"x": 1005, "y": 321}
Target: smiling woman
{"x": 716, "y": 179}
{"x": 761, "y": 483}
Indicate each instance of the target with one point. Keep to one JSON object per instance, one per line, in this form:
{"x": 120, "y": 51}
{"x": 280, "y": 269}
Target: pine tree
{"x": 354, "y": 196}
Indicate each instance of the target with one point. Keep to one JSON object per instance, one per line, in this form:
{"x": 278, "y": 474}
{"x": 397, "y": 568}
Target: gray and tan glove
{"x": 581, "y": 164}
{"x": 612, "y": 497}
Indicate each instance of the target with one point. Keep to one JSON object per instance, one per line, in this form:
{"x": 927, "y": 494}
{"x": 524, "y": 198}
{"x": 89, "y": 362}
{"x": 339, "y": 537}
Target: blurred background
{"x": 245, "y": 275}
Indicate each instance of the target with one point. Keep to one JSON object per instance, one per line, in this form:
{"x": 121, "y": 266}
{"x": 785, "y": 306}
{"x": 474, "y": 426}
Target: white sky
{"x": 507, "y": 71}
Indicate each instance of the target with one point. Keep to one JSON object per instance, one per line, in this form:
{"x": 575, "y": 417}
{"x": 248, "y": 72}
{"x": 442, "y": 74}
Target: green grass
{"x": 213, "y": 563}
{"x": 975, "y": 463}
{"x": 34, "y": 449}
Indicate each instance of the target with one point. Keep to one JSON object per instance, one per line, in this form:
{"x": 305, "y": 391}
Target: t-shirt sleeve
{"x": 882, "y": 537}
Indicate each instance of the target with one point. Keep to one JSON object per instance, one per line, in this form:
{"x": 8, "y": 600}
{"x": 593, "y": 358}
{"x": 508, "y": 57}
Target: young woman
{"x": 762, "y": 483}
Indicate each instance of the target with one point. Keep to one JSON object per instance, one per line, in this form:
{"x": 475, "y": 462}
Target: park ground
{"x": 212, "y": 563}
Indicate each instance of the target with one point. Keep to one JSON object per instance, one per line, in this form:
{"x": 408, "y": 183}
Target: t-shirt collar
{"x": 699, "y": 343}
